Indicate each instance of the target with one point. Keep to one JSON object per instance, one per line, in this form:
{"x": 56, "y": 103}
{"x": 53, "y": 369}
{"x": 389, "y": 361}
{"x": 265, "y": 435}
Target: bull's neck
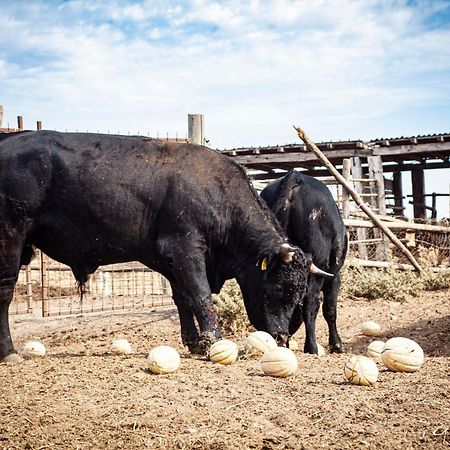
{"x": 256, "y": 234}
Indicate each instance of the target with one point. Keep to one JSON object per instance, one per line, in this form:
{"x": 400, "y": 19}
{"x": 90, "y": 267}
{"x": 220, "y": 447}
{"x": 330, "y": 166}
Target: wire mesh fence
{"x": 49, "y": 287}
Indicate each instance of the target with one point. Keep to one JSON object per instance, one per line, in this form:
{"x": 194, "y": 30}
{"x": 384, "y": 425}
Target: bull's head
{"x": 283, "y": 289}
{"x": 275, "y": 290}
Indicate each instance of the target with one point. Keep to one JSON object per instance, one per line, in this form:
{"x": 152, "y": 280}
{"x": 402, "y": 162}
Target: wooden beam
{"x": 398, "y": 192}
{"x": 397, "y": 225}
{"x": 418, "y": 189}
{"x": 412, "y": 149}
{"x": 346, "y": 170}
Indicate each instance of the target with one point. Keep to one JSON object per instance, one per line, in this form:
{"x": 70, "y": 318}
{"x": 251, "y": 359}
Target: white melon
{"x": 13, "y": 358}
{"x": 223, "y": 352}
{"x": 121, "y": 347}
{"x": 258, "y": 342}
{"x": 163, "y": 359}
{"x": 361, "y": 370}
{"x": 279, "y": 362}
{"x": 34, "y": 349}
{"x": 293, "y": 344}
{"x": 401, "y": 354}
{"x": 370, "y": 328}
{"x": 320, "y": 350}
{"x": 374, "y": 350}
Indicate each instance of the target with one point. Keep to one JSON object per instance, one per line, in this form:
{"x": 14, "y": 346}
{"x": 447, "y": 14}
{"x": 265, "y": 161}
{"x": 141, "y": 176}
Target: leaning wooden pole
{"x": 393, "y": 238}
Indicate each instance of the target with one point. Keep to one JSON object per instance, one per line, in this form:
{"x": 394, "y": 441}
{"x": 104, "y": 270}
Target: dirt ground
{"x": 80, "y": 397}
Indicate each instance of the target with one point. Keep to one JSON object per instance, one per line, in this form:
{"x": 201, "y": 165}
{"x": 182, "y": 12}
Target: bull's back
{"x": 114, "y": 194}
{"x": 308, "y": 212}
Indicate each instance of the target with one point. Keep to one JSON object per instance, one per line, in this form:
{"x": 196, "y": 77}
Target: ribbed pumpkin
{"x": 223, "y": 352}
{"x": 361, "y": 370}
{"x": 121, "y": 347}
{"x": 370, "y": 328}
{"x": 258, "y": 342}
{"x": 401, "y": 354}
{"x": 34, "y": 349}
{"x": 163, "y": 359}
{"x": 293, "y": 344}
{"x": 374, "y": 350}
{"x": 320, "y": 350}
{"x": 279, "y": 362}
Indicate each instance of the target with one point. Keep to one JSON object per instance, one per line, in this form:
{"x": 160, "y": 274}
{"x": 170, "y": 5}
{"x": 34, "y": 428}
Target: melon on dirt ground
{"x": 78, "y": 395}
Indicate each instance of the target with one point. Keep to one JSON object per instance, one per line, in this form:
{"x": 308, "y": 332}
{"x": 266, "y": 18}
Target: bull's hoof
{"x": 201, "y": 347}
{"x": 13, "y": 358}
{"x": 336, "y": 348}
{"x": 195, "y": 348}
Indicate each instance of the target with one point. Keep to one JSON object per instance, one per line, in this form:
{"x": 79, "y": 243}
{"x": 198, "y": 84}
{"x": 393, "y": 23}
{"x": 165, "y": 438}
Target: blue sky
{"x": 338, "y": 68}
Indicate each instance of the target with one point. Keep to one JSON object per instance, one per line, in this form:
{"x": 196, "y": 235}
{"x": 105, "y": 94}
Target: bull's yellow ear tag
{"x": 264, "y": 264}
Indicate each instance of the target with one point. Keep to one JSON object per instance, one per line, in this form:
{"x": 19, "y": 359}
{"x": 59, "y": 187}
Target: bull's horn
{"x": 287, "y": 252}
{"x": 314, "y": 269}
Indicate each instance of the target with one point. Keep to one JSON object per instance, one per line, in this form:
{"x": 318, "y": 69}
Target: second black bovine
{"x": 308, "y": 213}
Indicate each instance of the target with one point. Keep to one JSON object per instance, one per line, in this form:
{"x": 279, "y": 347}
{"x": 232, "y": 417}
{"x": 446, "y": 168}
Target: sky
{"x": 340, "y": 69}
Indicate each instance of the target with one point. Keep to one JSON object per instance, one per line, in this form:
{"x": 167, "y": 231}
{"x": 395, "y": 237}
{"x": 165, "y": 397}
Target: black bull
{"x": 185, "y": 211}
{"x": 308, "y": 213}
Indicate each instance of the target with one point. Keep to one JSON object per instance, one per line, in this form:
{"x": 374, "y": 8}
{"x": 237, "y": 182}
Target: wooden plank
{"x": 298, "y": 157}
{"x": 397, "y": 225}
{"x": 414, "y": 149}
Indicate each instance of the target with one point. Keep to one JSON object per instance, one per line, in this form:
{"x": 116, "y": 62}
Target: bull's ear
{"x": 262, "y": 263}
{"x": 287, "y": 252}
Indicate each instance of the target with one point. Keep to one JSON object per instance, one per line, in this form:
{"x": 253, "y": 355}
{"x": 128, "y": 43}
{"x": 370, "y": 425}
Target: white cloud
{"x": 254, "y": 68}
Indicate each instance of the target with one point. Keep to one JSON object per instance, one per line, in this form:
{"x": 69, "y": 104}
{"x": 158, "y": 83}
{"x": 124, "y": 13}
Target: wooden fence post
{"x": 44, "y": 284}
{"x": 20, "y": 123}
{"x": 28, "y": 281}
{"x": 346, "y": 169}
{"x": 1, "y": 116}
{"x": 196, "y": 131}
{"x": 361, "y": 233}
{"x": 377, "y": 187}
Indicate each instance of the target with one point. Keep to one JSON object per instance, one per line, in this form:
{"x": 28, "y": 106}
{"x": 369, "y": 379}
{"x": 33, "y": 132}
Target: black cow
{"x": 308, "y": 213}
{"x": 183, "y": 210}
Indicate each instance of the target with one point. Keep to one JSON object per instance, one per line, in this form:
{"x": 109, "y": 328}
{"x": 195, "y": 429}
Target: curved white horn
{"x": 314, "y": 269}
{"x": 287, "y": 252}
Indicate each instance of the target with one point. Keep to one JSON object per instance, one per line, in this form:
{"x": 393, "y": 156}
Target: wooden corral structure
{"x": 368, "y": 160}
{"x": 364, "y": 165}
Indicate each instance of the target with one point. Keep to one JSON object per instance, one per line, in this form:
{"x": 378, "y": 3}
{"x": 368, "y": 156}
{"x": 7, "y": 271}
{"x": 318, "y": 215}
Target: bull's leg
{"x": 296, "y": 321}
{"x": 311, "y": 306}
{"x": 330, "y": 298}
{"x": 9, "y": 271}
{"x": 189, "y": 272}
{"x": 189, "y": 332}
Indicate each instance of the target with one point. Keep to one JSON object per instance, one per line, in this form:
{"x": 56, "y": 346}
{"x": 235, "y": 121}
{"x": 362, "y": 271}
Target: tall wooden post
{"x": 196, "y": 131}
{"x": 399, "y": 210}
{"x": 346, "y": 169}
{"x": 1, "y": 116}
{"x": 360, "y": 232}
{"x": 376, "y": 173}
{"x": 39, "y": 125}
{"x": 418, "y": 190}
{"x": 44, "y": 285}
{"x": 20, "y": 123}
